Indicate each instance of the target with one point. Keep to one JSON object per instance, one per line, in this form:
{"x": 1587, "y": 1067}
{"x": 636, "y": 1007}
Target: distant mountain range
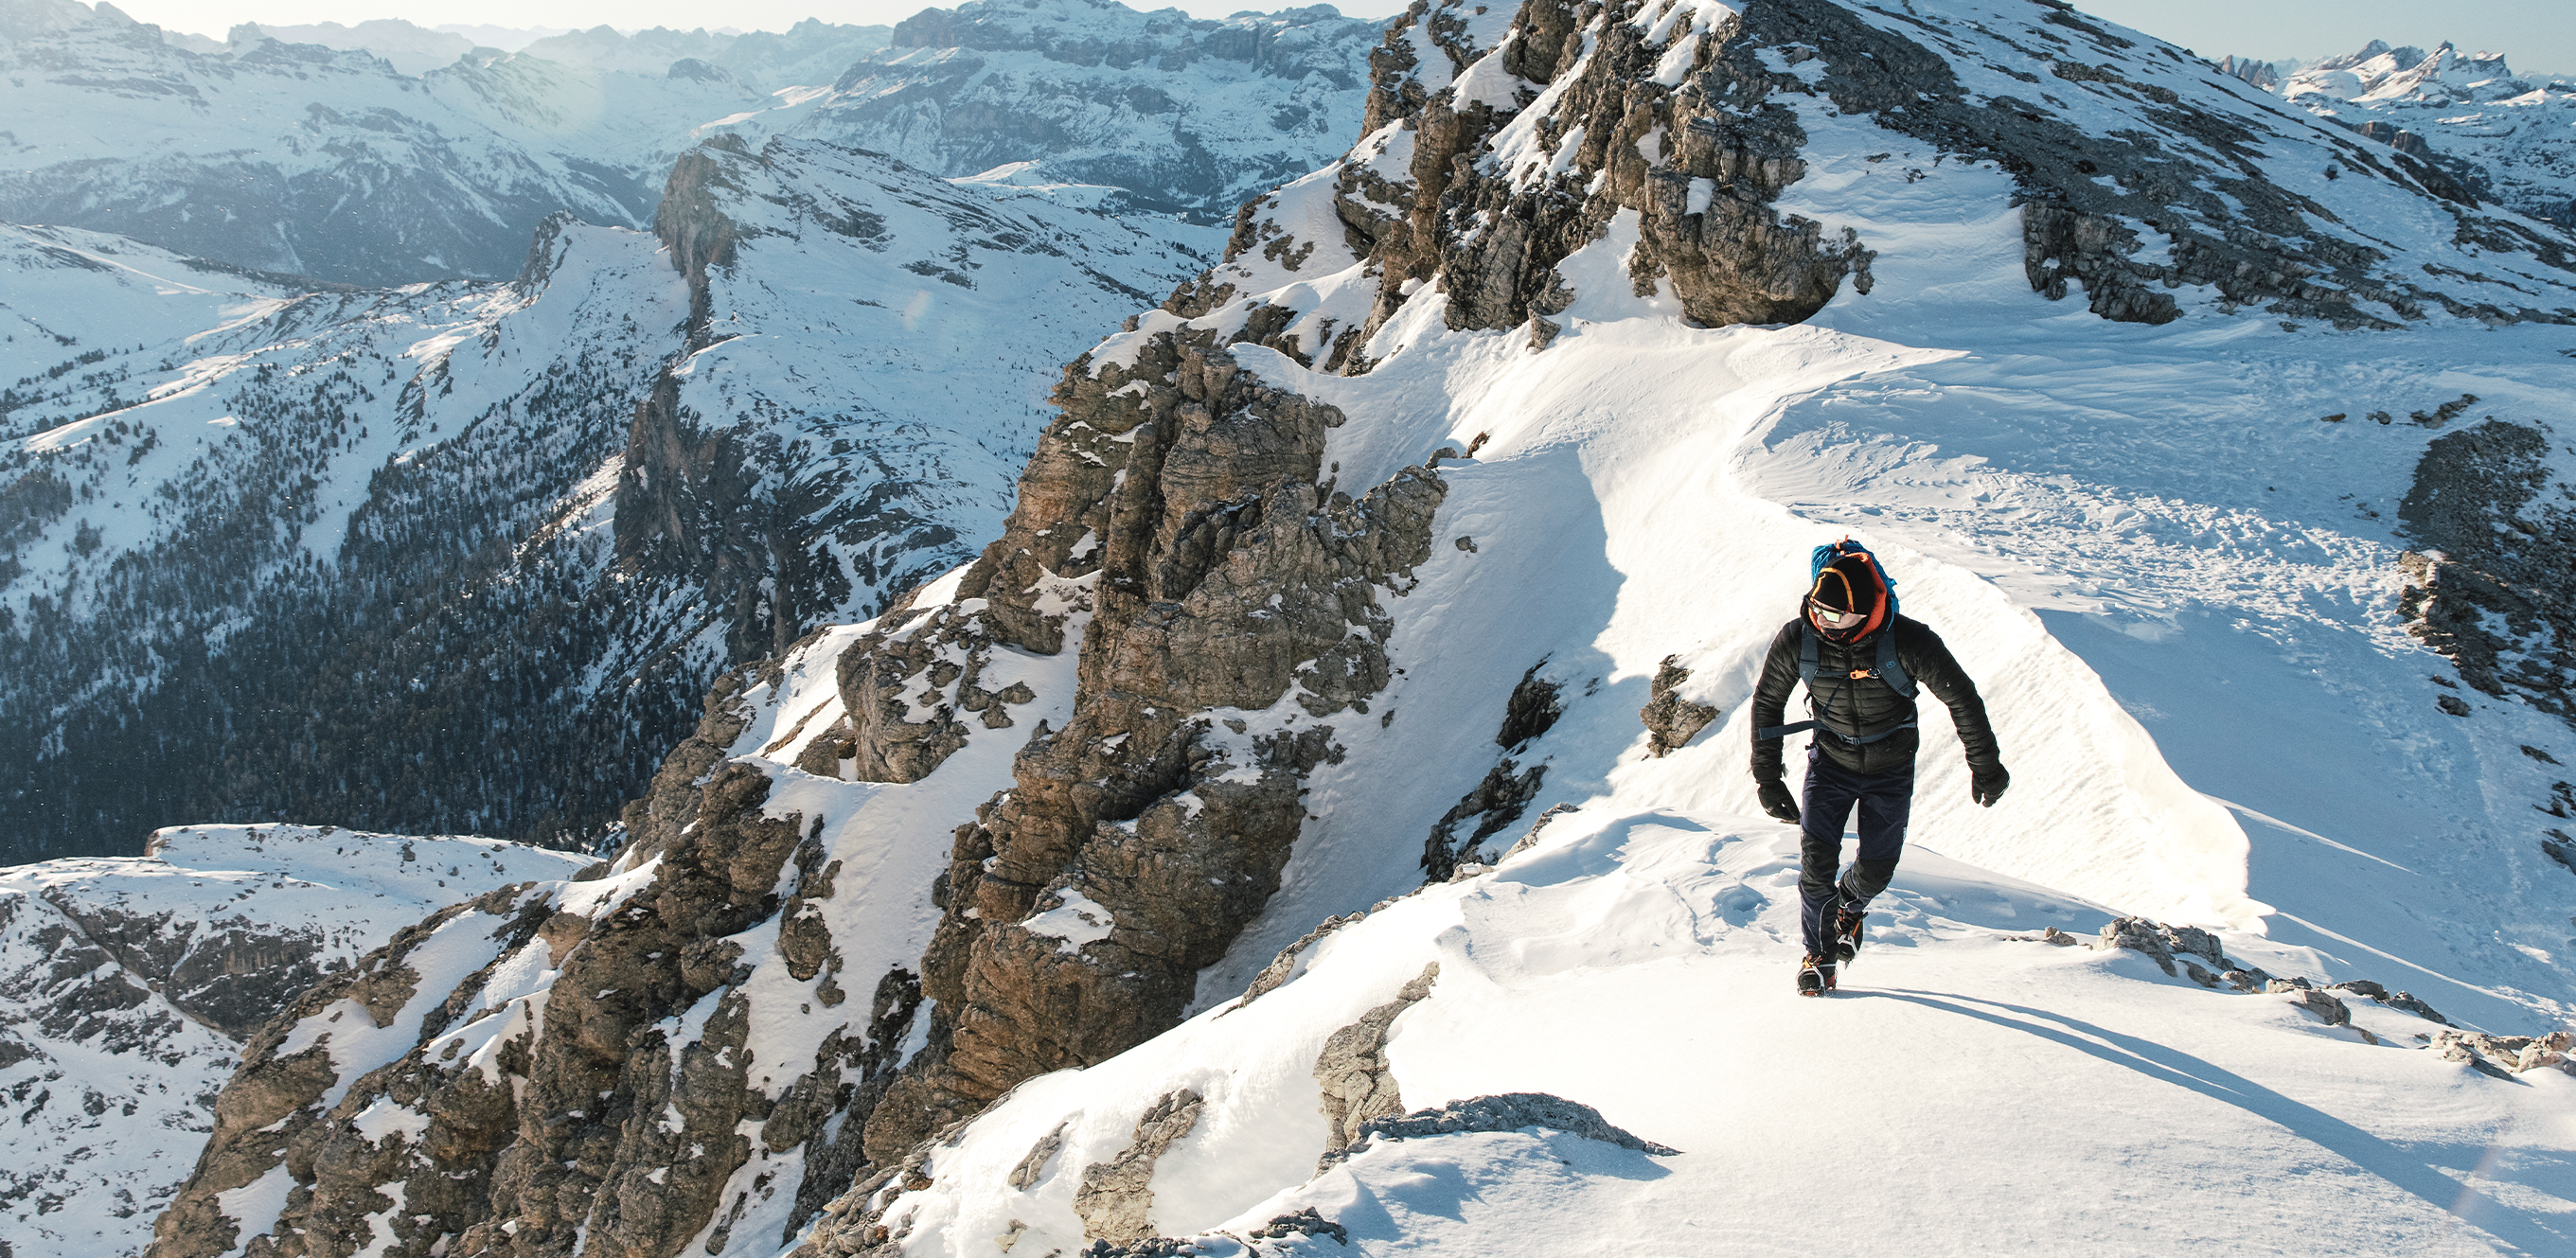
{"x": 2502, "y": 137}
{"x": 385, "y": 153}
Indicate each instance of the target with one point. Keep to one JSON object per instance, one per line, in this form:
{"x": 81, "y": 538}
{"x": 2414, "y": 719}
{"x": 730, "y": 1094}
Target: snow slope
{"x": 128, "y": 982}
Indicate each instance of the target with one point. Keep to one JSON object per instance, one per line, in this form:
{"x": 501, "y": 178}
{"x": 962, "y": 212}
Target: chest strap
{"x": 1886, "y": 670}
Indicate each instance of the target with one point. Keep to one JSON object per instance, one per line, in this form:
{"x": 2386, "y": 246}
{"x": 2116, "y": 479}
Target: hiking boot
{"x": 1815, "y": 976}
{"x": 1847, "y": 934}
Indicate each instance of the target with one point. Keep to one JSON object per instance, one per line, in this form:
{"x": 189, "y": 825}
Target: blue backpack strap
{"x": 1806, "y": 675}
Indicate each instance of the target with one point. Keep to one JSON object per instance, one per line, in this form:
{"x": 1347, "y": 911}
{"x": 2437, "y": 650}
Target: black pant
{"x": 1885, "y": 801}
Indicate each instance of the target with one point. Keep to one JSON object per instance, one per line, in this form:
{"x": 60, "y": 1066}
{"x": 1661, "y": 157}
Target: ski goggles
{"x": 1833, "y": 617}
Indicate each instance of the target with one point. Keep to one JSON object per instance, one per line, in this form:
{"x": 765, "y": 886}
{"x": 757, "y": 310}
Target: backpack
{"x": 1886, "y": 669}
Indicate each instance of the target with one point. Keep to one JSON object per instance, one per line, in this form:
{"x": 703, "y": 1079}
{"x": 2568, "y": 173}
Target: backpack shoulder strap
{"x": 1889, "y": 670}
{"x": 1807, "y": 675}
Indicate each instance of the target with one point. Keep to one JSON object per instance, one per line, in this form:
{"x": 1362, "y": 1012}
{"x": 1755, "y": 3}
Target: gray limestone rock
{"x": 1672, "y": 721}
{"x": 1224, "y": 570}
{"x": 1359, "y": 1087}
{"x": 2494, "y": 585}
{"x": 2322, "y": 1003}
{"x": 1496, "y": 802}
{"x": 1116, "y": 1199}
{"x": 1530, "y": 839}
{"x": 1032, "y": 1168}
{"x": 1510, "y": 1111}
{"x": 2497, "y": 1056}
{"x": 1284, "y": 966}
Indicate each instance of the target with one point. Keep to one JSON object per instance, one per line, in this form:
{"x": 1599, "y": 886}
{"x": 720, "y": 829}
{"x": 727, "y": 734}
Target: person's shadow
{"x": 2517, "y": 1230}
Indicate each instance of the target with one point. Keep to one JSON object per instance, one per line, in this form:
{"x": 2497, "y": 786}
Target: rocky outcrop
{"x": 1116, "y": 1198}
{"x": 2202, "y": 961}
{"x": 792, "y": 511}
{"x": 2493, "y": 583}
{"x": 1671, "y": 720}
{"x": 2504, "y": 1056}
{"x": 1358, "y": 1084}
{"x": 1493, "y": 152}
{"x": 1510, "y": 1111}
{"x": 276, "y": 1116}
{"x": 1506, "y": 789}
{"x": 533, "y": 1142}
{"x": 1180, "y": 528}
{"x": 1234, "y": 595}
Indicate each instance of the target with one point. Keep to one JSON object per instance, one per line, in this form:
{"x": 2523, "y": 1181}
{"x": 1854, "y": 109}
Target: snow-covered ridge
{"x": 126, "y": 985}
{"x": 2175, "y": 584}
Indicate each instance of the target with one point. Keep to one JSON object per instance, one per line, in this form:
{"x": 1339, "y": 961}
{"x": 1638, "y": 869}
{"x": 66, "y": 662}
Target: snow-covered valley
{"x": 465, "y": 556}
{"x": 1317, "y": 820}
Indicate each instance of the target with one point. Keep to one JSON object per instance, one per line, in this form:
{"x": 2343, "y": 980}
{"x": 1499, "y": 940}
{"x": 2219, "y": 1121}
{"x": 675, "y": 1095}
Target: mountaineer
{"x": 1862, "y": 664}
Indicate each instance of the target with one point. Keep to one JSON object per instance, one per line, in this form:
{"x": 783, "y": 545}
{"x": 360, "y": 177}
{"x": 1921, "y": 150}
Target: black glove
{"x": 1777, "y": 801}
{"x": 1986, "y": 783}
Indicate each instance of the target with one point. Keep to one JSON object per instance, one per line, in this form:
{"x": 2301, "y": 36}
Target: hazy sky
{"x": 2538, "y": 34}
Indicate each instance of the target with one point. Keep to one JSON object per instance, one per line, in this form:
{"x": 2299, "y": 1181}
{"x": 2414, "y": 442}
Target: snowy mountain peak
{"x": 2408, "y": 74}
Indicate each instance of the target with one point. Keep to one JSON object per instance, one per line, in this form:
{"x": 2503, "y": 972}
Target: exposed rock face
{"x": 270, "y": 1120}
{"x": 1671, "y": 720}
{"x": 1510, "y": 1111}
{"x": 1496, "y": 802}
{"x": 1184, "y": 531}
{"x": 1179, "y": 525}
{"x": 127, "y": 985}
{"x": 522, "y": 1135}
{"x": 790, "y": 503}
{"x": 1234, "y": 593}
{"x": 2499, "y": 548}
{"x": 2493, "y": 586}
{"x": 1116, "y": 1199}
{"x": 1358, "y": 1084}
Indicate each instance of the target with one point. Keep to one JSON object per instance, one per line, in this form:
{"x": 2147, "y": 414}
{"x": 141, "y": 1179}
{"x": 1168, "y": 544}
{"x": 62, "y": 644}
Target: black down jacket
{"x": 1849, "y": 708}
